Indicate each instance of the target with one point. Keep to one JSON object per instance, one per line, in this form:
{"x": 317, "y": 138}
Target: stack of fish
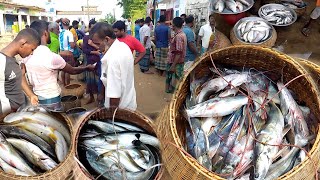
{"x": 119, "y": 150}
{"x": 254, "y": 31}
{"x": 32, "y": 143}
{"x": 277, "y": 16}
{"x": 235, "y": 116}
{"x": 235, "y": 6}
{"x": 293, "y": 4}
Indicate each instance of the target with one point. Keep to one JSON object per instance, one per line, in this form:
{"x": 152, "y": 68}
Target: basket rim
{"x": 55, "y": 169}
{"x": 173, "y": 104}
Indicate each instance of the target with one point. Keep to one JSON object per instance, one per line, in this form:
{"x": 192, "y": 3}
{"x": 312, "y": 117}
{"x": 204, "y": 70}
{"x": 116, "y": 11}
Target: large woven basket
{"x": 75, "y": 89}
{"x": 313, "y": 69}
{"x": 62, "y": 171}
{"x": 269, "y": 43}
{"x": 171, "y": 124}
{"x": 121, "y": 114}
{"x": 69, "y": 102}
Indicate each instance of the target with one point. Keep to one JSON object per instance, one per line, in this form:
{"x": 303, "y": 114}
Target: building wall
{"x": 200, "y": 9}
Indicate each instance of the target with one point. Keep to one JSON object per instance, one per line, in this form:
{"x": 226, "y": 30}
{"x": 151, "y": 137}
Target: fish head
{"x": 48, "y": 163}
{"x": 262, "y": 166}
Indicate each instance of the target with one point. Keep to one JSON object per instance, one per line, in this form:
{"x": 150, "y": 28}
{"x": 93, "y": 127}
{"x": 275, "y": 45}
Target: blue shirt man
{"x": 137, "y": 29}
{"x": 191, "y": 53}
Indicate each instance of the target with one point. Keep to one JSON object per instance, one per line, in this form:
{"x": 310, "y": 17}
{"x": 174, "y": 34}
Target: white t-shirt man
{"x": 65, "y": 38}
{"x": 117, "y": 75}
{"x": 205, "y": 32}
{"x": 145, "y": 31}
{"x": 42, "y": 71}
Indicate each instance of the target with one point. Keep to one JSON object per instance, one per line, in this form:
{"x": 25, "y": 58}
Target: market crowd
{"x": 106, "y": 53}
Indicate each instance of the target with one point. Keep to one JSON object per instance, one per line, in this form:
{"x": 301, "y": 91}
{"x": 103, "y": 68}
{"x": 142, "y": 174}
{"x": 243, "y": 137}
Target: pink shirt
{"x": 42, "y": 70}
{"x": 133, "y": 43}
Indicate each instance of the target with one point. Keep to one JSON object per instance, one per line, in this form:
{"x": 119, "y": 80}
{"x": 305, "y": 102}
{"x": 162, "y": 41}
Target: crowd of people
{"x": 109, "y": 51}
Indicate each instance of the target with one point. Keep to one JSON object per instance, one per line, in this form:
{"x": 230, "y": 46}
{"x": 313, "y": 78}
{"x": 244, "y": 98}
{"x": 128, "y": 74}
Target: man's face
{"x": 118, "y": 33}
{"x": 211, "y": 20}
{"x": 101, "y": 42}
{"x": 27, "y": 49}
{"x": 56, "y": 30}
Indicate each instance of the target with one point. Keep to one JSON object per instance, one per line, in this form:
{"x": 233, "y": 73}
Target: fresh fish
{"x": 292, "y": 112}
{"x": 40, "y": 118}
{"x": 244, "y": 2}
{"x": 33, "y": 153}
{"x": 208, "y": 123}
{"x": 229, "y": 92}
{"x": 217, "y": 107}
{"x": 271, "y": 134}
{"x": 286, "y": 163}
{"x": 219, "y": 5}
{"x": 231, "y": 4}
{"x": 220, "y": 83}
{"x": 10, "y": 156}
{"x": 277, "y": 16}
{"x": 127, "y": 126}
{"x": 61, "y": 146}
{"x": 16, "y": 132}
{"x": 253, "y": 31}
{"x": 248, "y": 27}
{"x": 106, "y": 127}
{"x": 239, "y": 6}
{"x": 11, "y": 170}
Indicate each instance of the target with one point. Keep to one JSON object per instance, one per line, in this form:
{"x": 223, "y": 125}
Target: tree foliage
{"x": 109, "y": 18}
{"x": 132, "y": 6}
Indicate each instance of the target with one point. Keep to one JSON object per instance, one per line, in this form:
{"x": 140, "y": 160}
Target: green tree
{"x": 130, "y": 7}
{"x": 109, "y": 18}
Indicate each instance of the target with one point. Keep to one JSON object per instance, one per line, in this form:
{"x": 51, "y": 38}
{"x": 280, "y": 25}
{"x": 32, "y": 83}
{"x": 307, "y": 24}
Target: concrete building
{"x": 83, "y": 14}
{"x": 15, "y": 14}
{"x": 200, "y": 9}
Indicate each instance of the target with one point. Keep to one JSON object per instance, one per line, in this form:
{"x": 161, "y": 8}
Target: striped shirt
{"x": 11, "y": 94}
{"x": 65, "y": 38}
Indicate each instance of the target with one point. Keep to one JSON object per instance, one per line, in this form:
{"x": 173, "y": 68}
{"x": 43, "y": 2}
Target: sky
{"x": 106, "y": 6}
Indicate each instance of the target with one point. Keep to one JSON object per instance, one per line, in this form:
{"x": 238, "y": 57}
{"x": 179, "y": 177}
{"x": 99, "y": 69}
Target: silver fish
{"x": 231, "y": 4}
{"x": 219, "y": 5}
{"x": 33, "y": 153}
{"x": 11, "y": 170}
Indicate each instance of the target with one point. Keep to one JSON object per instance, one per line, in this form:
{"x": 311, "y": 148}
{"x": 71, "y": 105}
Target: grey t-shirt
{"x": 11, "y": 93}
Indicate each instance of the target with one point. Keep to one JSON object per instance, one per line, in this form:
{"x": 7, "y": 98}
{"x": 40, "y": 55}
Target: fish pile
{"x": 233, "y": 119}
{"x": 293, "y": 4}
{"x": 254, "y": 31}
{"x": 32, "y": 143}
{"x": 118, "y": 150}
{"x": 276, "y": 16}
{"x": 235, "y": 6}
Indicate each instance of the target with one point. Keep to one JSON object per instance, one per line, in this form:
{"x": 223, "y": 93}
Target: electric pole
{"x": 88, "y": 10}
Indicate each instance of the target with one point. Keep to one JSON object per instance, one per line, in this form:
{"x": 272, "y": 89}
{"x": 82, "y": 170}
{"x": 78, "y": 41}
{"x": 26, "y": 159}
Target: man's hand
{"x": 34, "y": 100}
{"x": 172, "y": 69}
{"x": 95, "y": 52}
{"x": 91, "y": 67}
{"x": 90, "y": 42}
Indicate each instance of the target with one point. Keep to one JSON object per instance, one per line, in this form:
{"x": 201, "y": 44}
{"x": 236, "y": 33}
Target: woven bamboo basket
{"x": 75, "y": 89}
{"x": 269, "y": 43}
{"x": 313, "y": 69}
{"x": 121, "y": 114}
{"x": 171, "y": 124}
{"x": 222, "y": 42}
{"x": 69, "y": 101}
{"x": 62, "y": 171}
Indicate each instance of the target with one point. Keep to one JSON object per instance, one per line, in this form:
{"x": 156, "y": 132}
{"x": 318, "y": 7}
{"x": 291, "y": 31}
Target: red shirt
{"x": 133, "y": 43}
{"x": 318, "y": 3}
{"x": 178, "y": 45}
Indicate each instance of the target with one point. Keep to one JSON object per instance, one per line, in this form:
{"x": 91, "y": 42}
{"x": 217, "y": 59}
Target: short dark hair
{"x": 148, "y": 20}
{"x": 189, "y": 19}
{"x": 92, "y": 22}
{"x": 40, "y": 26}
{"x": 102, "y": 29}
{"x": 162, "y": 18}
{"x": 75, "y": 22}
{"x": 120, "y": 25}
{"x": 178, "y": 22}
{"x": 211, "y": 15}
{"x": 184, "y": 15}
{"x": 142, "y": 20}
{"x": 31, "y": 35}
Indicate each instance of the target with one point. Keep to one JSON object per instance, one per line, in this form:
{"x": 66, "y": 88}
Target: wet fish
{"x": 271, "y": 134}
{"x": 292, "y": 112}
{"x": 254, "y": 31}
{"x": 208, "y": 123}
{"x": 33, "y": 153}
{"x": 106, "y": 127}
{"x": 11, "y": 170}
{"x": 219, "y": 5}
{"x": 217, "y": 107}
{"x": 61, "y": 146}
{"x": 10, "y": 156}
{"x": 16, "y": 132}
{"x": 231, "y": 4}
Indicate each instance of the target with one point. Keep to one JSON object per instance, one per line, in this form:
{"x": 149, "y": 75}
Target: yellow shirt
{"x": 74, "y": 32}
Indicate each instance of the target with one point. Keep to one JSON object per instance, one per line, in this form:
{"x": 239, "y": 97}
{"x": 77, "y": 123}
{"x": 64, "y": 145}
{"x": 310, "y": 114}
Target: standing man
{"x": 67, "y": 45}
{"x": 205, "y": 34}
{"x": 177, "y": 52}
{"x": 117, "y": 69}
{"x": 54, "y": 35}
{"x": 128, "y": 24}
{"x": 73, "y": 30}
{"x": 42, "y": 68}
{"x": 137, "y": 29}
{"x": 192, "y": 51}
{"x": 145, "y": 33}
{"x": 313, "y": 17}
{"x": 133, "y": 43}
{"x": 162, "y": 36}
{"x": 183, "y": 17}
{"x": 83, "y": 27}
{"x": 11, "y": 94}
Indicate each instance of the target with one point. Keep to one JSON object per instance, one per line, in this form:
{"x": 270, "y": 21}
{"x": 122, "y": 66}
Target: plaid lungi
{"x": 173, "y": 78}
{"x": 145, "y": 61}
{"x": 161, "y": 59}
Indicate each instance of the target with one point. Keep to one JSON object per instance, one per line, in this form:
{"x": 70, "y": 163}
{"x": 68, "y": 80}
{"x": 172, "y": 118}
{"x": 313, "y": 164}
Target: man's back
{"x": 190, "y": 39}
{"x": 162, "y": 35}
{"x": 145, "y": 31}
{"x": 65, "y": 37}
{"x": 133, "y": 43}
{"x": 136, "y": 32}
{"x": 118, "y": 75}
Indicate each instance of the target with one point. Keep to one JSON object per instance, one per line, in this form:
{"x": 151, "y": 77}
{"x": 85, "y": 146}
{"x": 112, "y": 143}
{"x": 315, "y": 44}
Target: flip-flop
{"x": 305, "y": 31}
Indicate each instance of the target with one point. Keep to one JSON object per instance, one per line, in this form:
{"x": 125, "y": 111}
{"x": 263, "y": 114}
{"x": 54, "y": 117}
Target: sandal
{"x": 305, "y": 31}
